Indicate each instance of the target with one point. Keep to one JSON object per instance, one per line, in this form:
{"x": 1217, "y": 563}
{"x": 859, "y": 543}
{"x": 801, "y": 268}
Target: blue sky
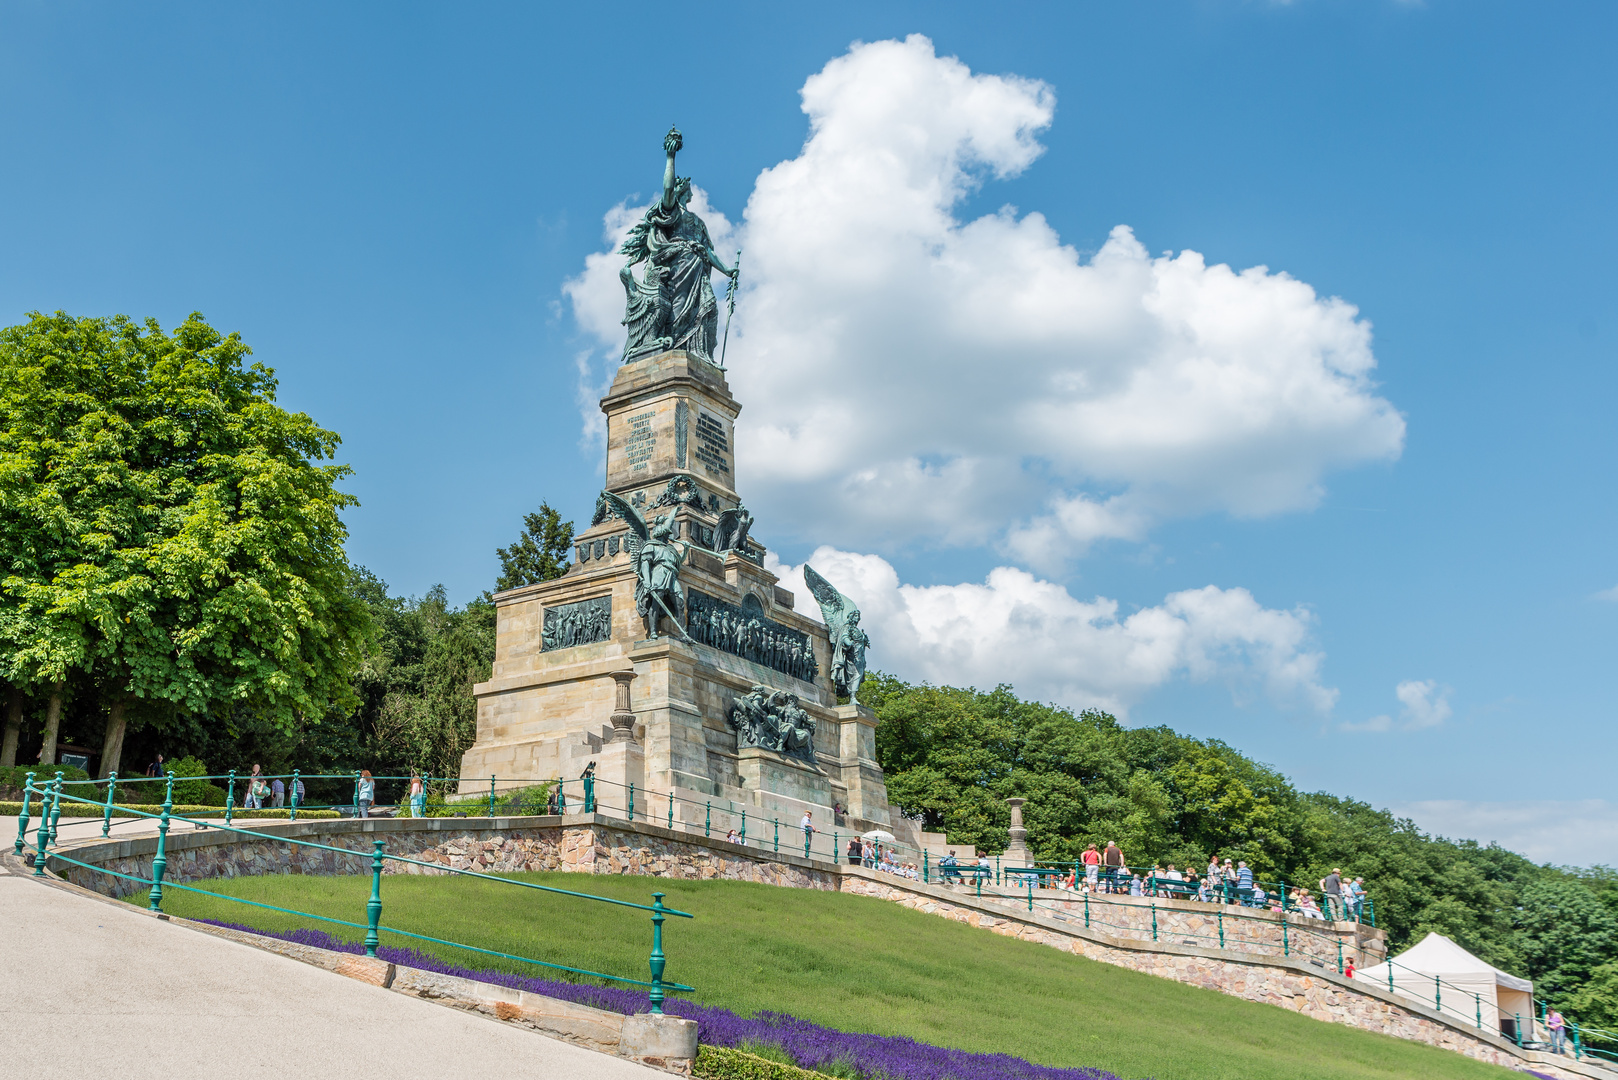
{"x": 388, "y": 202}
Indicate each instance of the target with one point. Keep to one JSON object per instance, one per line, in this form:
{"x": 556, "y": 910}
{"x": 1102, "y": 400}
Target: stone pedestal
{"x": 576, "y": 679}
{"x": 1017, "y": 853}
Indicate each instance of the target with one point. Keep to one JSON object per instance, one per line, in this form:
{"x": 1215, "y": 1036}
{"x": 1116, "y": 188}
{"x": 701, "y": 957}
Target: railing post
{"x": 777, "y": 833}
{"x": 1222, "y": 932}
{"x": 1154, "y": 920}
{"x": 22, "y": 818}
{"x": 671, "y": 810}
{"x": 230, "y": 798}
{"x": 744, "y": 827}
{"x": 1478, "y": 1001}
{"x": 1578, "y": 1045}
{"x": 808, "y": 838}
{"x": 1438, "y": 994}
{"x": 1031, "y": 905}
{"x": 1339, "y": 956}
{"x": 106, "y": 815}
{"x": 1518, "y": 1025}
{"x": 997, "y": 870}
{"x": 357, "y": 792}
{"x": 491, "y": 796}
{"x": 160, "y": 861}
{"x": 1390, "y": 976}
{"x": 292, "y": 814}
{"x": 589, "y": 794}
{"x": 707, "y": 819}
{"x": 373, "y": 906}
{"x": 658, "y": 959}
{"x": 56, "y": 806}
{"x": 1286, "y": 946}
{"x": 43, "y": 836}
{"x": 925, "y": 866}
{"x": 632, "y": 800}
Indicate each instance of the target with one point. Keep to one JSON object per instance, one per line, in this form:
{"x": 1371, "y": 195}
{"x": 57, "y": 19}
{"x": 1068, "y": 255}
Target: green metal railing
{"x": 50, "y": 795}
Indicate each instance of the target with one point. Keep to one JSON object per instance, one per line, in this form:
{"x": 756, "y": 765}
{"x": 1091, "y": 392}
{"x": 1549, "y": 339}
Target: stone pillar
{"x": 1017, "y": 853}
{"x": 622, "y": 760}
{"x": 623, "y": 720}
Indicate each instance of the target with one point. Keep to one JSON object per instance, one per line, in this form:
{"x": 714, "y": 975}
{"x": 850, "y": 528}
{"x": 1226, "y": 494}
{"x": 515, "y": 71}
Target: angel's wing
{"x": 637, "y": 524}
{"x": 834, "y": 606}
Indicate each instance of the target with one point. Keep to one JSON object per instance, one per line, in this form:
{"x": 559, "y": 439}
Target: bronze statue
{"x": 848, "y": 641}
{"x": 673, "y": 305}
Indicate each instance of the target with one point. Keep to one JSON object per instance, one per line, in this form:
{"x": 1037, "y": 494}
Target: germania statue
{"x": 848, "y": 641}
{"x": 657, "y": 558}
{"x": 673, "y": 305}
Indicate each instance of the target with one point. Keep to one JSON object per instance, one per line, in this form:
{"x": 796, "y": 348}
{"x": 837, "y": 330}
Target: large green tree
{"x": 170, "y": 534}
{"x": 540, "y": 552}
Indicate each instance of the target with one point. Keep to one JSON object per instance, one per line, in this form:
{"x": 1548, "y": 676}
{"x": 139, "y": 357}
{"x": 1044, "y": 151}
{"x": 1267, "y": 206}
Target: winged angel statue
{"x": 848, "y": 641}
{"x": 673, "y": 306}
{"x": 657, "y": 557}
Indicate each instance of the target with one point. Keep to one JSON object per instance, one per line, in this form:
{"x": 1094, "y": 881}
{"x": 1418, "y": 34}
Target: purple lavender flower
{"x": 879, "y": 1057}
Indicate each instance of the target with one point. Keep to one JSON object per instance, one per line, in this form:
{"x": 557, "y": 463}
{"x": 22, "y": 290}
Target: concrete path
{"x": 91, "y": 986}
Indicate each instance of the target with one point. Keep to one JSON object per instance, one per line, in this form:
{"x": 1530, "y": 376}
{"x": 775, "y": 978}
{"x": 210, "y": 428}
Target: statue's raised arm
{"x": 672, "y": 306}
{"x": 848, "y": 641}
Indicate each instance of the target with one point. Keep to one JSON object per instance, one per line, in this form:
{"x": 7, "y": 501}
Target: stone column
{"x": 1017, "y": 853}
{"x": 623, "y": 720}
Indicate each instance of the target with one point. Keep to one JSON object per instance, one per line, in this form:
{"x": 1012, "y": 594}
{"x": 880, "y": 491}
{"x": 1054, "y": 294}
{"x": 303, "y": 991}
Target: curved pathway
{"x": 98, "y": 984}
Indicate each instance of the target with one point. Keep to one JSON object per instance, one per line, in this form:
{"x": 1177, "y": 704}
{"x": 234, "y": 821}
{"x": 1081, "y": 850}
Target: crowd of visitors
{"x": 869, "y": 852}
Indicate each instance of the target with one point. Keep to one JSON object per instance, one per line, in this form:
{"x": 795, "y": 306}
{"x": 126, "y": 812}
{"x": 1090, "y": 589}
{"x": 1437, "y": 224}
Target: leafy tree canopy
{"x": 539, "y": 554}
{"x": 166, "y": 526}
{"x": 953, "y": 756}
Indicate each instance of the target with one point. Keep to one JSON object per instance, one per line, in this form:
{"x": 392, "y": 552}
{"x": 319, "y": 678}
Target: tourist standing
{"x": 808, "y": 826}
{"x": 156, "y": 767}
{"x": 854, "y": 850}
{"x": 1092, "y": 866}
{"x": 1113, "y": 859}
{"x": 1331, "y": 887}
{"x": 278, "y": 793}
{"x": 1558, "y": 1028}
{"x": 367, "y": 793}
{"x": 418, "y": 796}
{"x": 254, "y": 800}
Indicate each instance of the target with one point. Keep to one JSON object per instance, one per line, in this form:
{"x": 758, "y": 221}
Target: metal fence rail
{"x": 50, "y": 807}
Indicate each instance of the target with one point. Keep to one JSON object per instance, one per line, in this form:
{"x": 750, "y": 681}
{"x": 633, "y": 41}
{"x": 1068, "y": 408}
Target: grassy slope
{"x": 858, "y": 964}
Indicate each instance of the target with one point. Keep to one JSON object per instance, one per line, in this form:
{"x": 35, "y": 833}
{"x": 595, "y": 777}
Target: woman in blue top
{"x": 367, "y": 793}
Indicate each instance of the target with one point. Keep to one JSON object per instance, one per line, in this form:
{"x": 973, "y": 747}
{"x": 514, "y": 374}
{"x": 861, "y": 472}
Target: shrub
{"x": 724, "y": 1063}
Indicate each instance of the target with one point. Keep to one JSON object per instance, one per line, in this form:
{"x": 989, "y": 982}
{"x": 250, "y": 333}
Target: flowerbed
{"x": 876, "y": 1057}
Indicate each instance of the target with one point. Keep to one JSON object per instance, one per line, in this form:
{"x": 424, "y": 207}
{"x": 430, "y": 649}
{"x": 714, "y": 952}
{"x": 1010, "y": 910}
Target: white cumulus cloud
{"x": 1018, "y": 629}
{"x": 1424, "y": 703}
{"x": 910, "y": 375}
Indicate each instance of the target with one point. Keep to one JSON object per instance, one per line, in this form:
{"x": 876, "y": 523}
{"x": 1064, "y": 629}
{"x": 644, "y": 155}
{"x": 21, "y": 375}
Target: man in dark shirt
{"x": 1113, "y": 859}
{"x": 1332, "y": 886}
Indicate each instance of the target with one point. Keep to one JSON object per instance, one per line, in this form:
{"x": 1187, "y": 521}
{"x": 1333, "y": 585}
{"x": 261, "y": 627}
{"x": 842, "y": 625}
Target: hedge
{"x": 81, "y": 810}
{"x": 724, "y": 1063}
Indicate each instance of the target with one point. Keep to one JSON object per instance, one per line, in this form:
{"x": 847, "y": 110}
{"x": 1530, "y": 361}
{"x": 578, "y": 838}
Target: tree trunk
{"x": 112, "y": 748}
{"x": 53, "y": 723}
{"x": 8, "y": 750}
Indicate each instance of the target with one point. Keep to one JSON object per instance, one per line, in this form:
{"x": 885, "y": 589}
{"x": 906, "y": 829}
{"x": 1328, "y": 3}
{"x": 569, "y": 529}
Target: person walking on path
{"x": 418, "y": 795}
{"x": 808, "y": 826}
{"x": 253, "y": 801}
{"x": 156, "y": 767}
{"x": 1558, "y": 1028}
{"x": 367, "y": 793}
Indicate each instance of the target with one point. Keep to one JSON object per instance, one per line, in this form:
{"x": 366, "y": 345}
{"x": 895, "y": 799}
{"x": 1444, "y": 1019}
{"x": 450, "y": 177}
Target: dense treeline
{"x": 953, "y": 756}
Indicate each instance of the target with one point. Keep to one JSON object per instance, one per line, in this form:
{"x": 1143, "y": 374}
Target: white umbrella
{"x": 878, "y": 834}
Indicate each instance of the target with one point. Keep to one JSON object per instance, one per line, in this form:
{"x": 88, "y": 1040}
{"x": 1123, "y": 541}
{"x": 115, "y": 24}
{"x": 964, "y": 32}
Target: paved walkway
{"x": 87, "y": 981}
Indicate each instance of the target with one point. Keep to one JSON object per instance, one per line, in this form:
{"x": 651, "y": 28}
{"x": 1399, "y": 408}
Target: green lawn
{"x": 857, "y": 964}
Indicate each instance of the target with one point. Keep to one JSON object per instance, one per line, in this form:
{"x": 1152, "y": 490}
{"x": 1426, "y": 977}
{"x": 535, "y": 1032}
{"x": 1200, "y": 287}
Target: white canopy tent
{"x": 1436, "y": 970}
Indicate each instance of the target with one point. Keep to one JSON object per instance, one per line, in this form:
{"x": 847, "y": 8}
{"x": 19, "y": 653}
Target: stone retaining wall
{"x": 1308, "y": 984}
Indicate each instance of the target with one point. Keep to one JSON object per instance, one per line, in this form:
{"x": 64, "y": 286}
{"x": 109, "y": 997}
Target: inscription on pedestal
{"x": 642, "y": 442}
{"x": 713, "y": 447}
{"x": 578, "y": 623}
